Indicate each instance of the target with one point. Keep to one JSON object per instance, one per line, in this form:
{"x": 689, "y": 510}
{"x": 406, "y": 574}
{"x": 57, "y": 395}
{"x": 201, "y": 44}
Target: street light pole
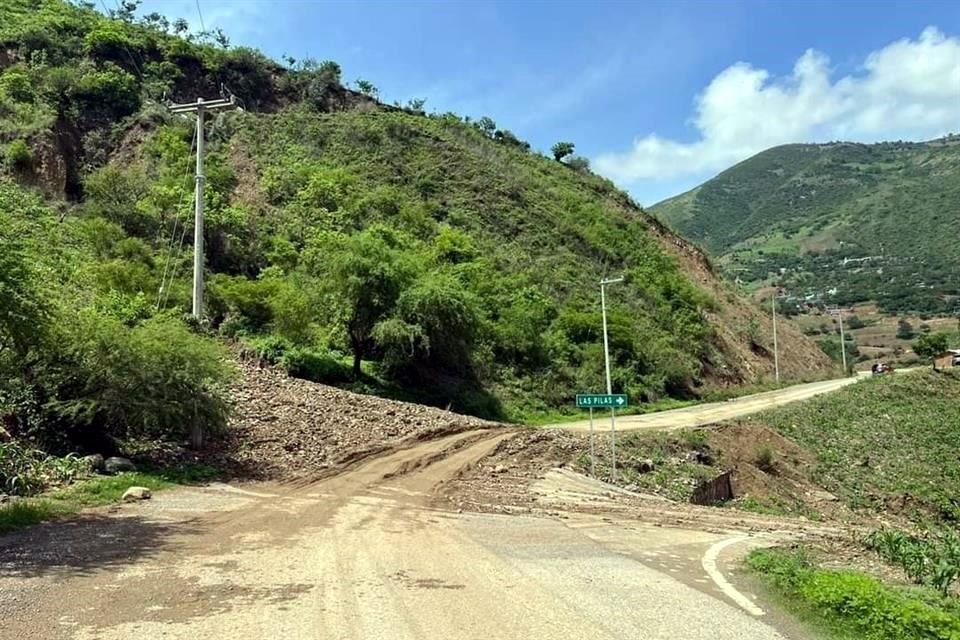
{"x": 606, "y": 360}
{"x": 843, "y": 344}
{"x": 776, "y": 351}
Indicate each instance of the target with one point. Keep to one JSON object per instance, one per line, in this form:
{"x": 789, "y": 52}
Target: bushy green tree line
{"x": 83, "y": 364}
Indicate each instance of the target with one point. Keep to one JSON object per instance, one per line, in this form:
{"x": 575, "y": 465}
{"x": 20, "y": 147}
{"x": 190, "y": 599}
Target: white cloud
{"x": 910, "y": 89}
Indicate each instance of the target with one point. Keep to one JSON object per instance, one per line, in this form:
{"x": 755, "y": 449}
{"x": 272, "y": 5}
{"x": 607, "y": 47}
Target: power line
{"x": 203, "y": 27}
{"x": 164, "y": 284}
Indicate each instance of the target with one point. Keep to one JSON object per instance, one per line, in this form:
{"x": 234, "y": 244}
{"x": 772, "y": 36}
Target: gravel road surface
{"x": 713, "y": 412}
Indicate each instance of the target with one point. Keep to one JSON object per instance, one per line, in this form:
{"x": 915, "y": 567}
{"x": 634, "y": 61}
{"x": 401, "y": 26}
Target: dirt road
{"x": 713, "y": 412}
{"x": 370, "y": 553}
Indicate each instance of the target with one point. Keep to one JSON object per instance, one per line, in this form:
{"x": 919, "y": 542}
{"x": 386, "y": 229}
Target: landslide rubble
{"x": 284, "y": 428}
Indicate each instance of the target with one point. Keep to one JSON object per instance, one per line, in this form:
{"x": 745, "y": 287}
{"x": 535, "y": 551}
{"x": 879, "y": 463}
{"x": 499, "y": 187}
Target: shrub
{"x": 316, "y": 366}
{"x": 904, "y": 329}
{"x": 25, "y": 471}
{"x": 17, "y": 155}
{"x": 854, "y": 322}
{"x": 154, "y": 380}
{"x": 764, "y": 459}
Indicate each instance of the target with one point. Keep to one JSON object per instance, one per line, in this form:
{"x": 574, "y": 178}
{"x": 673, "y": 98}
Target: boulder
{"x": 95, "y": 462}
{"x": 116, "y": 464}
{"x": 645, "y": 466}
{"x": 136, "y": 493}
{"x": 705, "y": 458}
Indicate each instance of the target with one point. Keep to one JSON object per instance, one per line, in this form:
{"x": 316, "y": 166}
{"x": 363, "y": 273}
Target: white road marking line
{"x": 709, "y": 563}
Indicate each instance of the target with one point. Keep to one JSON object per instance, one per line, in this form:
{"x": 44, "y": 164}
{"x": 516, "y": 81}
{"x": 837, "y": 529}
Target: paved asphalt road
{"x": 368, "y": 555}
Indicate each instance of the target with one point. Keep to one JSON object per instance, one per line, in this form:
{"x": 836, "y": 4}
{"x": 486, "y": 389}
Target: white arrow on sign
{"x": 619, "y": 400}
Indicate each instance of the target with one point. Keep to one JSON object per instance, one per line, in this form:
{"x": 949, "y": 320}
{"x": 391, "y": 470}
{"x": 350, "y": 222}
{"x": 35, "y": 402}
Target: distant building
{"x": 948, "y": 359}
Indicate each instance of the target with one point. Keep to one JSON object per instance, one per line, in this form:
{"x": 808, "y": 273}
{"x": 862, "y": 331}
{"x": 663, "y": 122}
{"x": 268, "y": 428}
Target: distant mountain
{"x": 841, "y": 221}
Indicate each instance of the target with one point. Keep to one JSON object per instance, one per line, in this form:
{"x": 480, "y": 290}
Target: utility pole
{"x": 606, "y": 359}
{"x": 776, "y": 352}
{"x": 200, "y": 107}
{"x": 843, "y": 344}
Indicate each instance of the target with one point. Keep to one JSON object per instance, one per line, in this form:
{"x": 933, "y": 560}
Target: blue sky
{"x": 659, "y": 95}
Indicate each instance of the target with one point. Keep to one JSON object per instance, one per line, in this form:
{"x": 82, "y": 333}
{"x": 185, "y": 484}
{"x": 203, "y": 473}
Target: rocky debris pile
{"x": 285, "y": 427}
{"x": 500, "y": 482}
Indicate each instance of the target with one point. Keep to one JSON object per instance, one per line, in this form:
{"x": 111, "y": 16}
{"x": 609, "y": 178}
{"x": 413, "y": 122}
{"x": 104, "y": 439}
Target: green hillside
{"x": 430, "y": 257}
{"x": 869, "y": 220}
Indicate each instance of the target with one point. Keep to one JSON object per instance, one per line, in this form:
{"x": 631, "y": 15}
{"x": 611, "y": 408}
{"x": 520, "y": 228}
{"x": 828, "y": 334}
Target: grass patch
{"x": 885, "y": 444}
{"x": 95, "y": 492}
{"x": 848, "y": 604}
{"x": 675, "y": 471}
{"x": 26, "y": 513}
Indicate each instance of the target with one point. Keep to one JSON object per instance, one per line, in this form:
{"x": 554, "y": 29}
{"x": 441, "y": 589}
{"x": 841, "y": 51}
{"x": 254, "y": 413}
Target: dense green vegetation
{"x": 931, "y": 559}
{"x": 849, "y": 605}
{"x": 426, "y": 258}
{"x": 84, "y": 363}
{"x": 837, "y": 222}
{"x": 884, "y": 444}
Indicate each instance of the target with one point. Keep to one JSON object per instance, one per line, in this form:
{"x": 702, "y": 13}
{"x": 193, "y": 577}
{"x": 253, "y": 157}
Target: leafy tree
{"x": 904, "y": 329}
{"x": 486, "y": 125}
{"x": 416, "y": 104}
{"x": 931, "y": 345}
{"x": 367, "y": 273}
{"x": 561, "y": 150}
{"x": 24, "y": 312}
{"x": 581, "y": 164}
{"x": 367, "y": 88}
{"x": 440, "y": 319}
{"x": 154, "y": 380}
{"x": 854, "y": 322}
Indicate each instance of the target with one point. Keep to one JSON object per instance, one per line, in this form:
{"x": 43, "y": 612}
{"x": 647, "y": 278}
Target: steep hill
{"x": 870, "y": 221}
{"x": 427, "y": 257}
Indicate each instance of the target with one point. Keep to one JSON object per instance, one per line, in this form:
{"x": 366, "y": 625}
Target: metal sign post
{"x": 593, "y": 456}
{"x": 612, "y": 401}
{"x": 606, "y": 362}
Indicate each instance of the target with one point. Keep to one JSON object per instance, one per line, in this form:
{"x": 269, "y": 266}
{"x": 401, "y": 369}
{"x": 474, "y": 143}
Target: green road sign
{"x": 601, "y": 401}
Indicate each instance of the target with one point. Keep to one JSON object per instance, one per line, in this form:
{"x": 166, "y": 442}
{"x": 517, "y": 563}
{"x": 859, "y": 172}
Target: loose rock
{"x": 645, "y": 466}
{"x": 95, "y": 462}
{"x": 116, "y": 464}
{"x": 284, "y": 427}
{"x": 136, "y": 493}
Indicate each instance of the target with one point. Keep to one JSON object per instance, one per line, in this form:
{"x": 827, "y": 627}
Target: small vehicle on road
{"x": 881, "y": 368}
